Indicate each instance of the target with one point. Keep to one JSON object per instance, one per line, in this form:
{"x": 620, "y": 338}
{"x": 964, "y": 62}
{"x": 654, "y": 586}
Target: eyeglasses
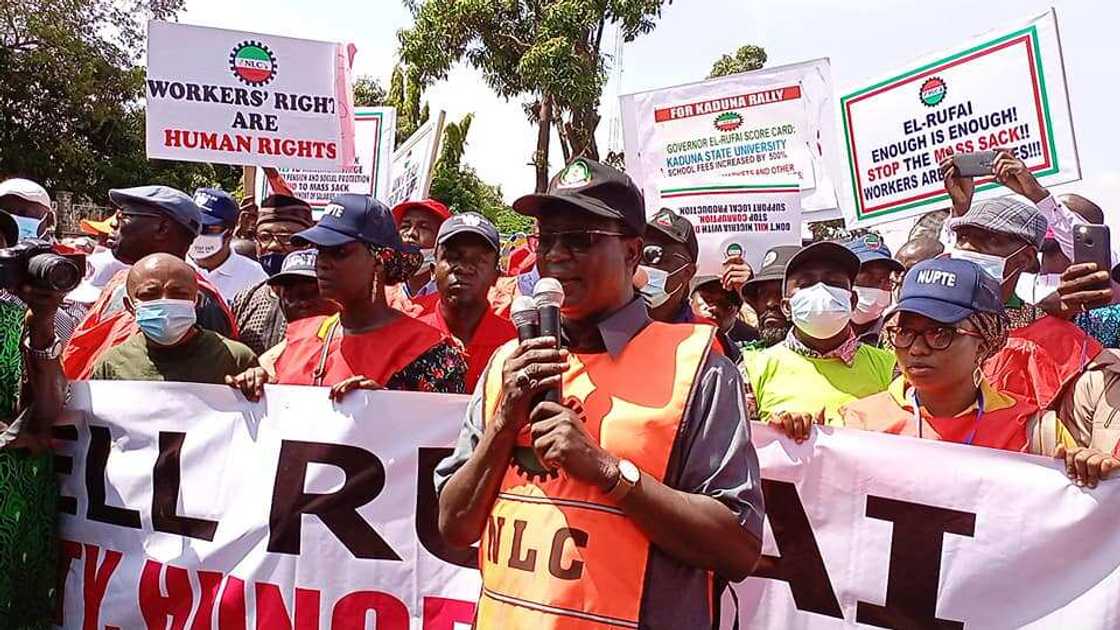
{"x": 575, "y": 241}
{"x": 655, "y": 254}
{"x": 266, "y": 238}
{"x": 937, "y": 338}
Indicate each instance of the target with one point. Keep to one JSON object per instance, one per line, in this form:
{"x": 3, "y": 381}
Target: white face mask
{"x": 994, "y": 266}
{"x": 654, "y": 289}
{"x": 206, "y": 245}
{"x": 1034, "y": 288}
{"x": 426, "y": 266}
{"x": 821, "y": 311}
{"x": 872, "y": 303}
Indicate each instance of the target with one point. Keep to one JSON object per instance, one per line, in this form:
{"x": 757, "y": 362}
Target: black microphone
{"x": 525, "y": 318}
{"x": 548, "y": 295}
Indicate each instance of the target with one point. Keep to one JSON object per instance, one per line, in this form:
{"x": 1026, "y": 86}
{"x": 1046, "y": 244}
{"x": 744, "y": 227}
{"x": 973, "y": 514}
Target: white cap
{"x": 27, "y": 190}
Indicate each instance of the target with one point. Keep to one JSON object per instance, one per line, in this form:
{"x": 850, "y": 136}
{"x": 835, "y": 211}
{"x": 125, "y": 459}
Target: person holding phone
{"x": 1087, "y": 287}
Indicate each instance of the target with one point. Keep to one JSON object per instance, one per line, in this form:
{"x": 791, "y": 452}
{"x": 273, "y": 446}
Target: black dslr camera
{"x": 36, "y": 262}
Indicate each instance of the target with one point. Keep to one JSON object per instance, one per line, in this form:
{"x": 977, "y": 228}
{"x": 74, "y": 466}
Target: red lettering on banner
{"x": 231, "y": 610}
{"x": 177, "y": 604}
{"x": 714, "y": 106}
{"x": 272, "y": 614}
{"x": 441, "y": 613}
{"x": 69, "y": 552}
{"x": 210, "y": 581}
{"x": 207, "y": 141}
{"x": 350, "y": 611}
{"x": 96, "y": 582}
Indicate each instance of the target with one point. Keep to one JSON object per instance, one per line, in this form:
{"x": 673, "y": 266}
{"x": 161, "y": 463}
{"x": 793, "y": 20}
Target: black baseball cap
{"x": 349, "y": 218}
{"x": 469, "y": 223}
{"x": 591, "y": 187}
{"x": 678, "y": 229}
{"x": 773, "y": 267}
{"x": 717, "y": 282}
{"x": 298, "y": 265}
{"x": 827, "y": 251}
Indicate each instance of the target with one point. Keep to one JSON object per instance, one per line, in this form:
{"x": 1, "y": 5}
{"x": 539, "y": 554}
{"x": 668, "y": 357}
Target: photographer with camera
{"x": 32, "y": 392}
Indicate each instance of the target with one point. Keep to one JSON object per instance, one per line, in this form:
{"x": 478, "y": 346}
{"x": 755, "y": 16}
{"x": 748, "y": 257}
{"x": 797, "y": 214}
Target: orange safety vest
{"x": 95, "y": 335}
{"x": 556, "y": 553}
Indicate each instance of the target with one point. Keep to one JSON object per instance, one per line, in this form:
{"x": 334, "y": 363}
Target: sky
{"x": 863, "y": 40}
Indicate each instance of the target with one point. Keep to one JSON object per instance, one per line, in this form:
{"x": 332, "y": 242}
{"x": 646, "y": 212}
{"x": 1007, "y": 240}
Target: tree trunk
{"x": 581, "y": 133}
{"x": 544, "y": 133}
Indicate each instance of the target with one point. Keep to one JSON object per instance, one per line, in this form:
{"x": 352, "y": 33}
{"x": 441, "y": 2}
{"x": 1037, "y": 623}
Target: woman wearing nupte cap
{"x": 949, "y": 320}
{"x": 368, "y": 345}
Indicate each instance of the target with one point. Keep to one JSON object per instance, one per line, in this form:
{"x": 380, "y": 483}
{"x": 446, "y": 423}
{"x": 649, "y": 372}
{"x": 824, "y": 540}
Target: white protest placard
{"x": 1005, "y": 89}
{"x": 230, "y": 97}
{"x": 206, "y": 511}
{"x": 775, "y": 123}
{"x": 736, "y": 218}
{"x": 411, "y": 174}
{"x": 375, "y": 130}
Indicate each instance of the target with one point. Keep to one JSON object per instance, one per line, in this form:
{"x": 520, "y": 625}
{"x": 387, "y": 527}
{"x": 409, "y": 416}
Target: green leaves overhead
{"x": 547, "y": 52}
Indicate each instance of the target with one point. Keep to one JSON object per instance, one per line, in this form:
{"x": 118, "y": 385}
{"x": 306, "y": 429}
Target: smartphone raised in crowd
{"x": 978, "y": 164}
{"x": 1092, "y": 243}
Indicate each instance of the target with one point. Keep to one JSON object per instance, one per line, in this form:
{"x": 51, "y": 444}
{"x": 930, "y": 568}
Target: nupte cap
{"x": 948, "y": 290}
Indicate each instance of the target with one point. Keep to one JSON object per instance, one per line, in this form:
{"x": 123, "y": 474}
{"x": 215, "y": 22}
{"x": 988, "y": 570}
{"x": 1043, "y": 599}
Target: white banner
{"x": 413, "y": 163}
{"x": 1005, "y": 89}
{"x": 375, "y": 131}
{"x": 231, "y": 97}
{"x": 775, "y": 124}
{"x": 209, "y": 512}
{"x": 737, "y": 218}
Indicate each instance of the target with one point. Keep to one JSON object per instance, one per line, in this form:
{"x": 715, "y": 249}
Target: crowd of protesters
{"x": 992, "y": 335}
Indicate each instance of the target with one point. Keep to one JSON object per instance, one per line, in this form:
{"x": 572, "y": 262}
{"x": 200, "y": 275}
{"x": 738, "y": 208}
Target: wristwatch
{"x": 50, "y": 354}
{"x": 628, "y": 477}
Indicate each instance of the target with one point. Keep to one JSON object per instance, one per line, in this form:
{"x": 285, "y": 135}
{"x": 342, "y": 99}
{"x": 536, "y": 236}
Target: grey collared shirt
{"x": 713, "y": 455}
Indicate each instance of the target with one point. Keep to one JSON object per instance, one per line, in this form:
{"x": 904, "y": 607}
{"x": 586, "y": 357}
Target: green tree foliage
{"x": 368, "y": 92}
{"x": 547, "y": 52}
{"x": 745, "y": 59}
{"x": 460, "y": 187}
{"x": 70, "y": 89}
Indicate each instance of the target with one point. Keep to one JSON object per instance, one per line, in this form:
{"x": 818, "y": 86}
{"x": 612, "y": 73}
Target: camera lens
{"x": 54, "y": 272}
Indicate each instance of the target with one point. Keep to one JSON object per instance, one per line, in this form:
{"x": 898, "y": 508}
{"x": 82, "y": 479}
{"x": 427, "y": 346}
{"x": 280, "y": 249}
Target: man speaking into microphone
{"x": 646, "y": 499}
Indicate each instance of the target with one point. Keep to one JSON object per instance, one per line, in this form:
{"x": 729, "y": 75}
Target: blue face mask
{"x": 28, "y": 227}
{"x": 272, "y": 263}
{"x": 165, "y": 322}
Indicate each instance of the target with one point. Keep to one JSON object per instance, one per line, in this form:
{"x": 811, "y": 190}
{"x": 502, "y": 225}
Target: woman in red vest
{"x": 948, "y": 321}
{"x": 368, "y": 345}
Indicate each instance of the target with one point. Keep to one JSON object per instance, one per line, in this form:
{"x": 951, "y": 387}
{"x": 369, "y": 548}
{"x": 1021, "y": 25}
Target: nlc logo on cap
{"x": 576, "y": 175}
{"x": 253, "y": 63}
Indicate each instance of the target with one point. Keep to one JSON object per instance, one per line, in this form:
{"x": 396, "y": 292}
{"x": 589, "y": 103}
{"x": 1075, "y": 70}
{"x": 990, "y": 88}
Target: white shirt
{"x": 234, "y": 275}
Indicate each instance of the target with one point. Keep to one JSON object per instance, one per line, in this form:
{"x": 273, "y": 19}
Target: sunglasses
{"x": 937, "y": 338}
{"x": 575, "y": 241}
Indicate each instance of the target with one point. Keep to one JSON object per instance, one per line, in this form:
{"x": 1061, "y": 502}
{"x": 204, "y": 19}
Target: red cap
{"x": 431, "y": 205}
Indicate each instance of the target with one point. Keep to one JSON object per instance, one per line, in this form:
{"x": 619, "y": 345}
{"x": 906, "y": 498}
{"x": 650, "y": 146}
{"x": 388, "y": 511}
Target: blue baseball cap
{"x": 217, "y": 207}
{"x": 469, "y": 223}
{"x": 175, "y": 204}
{"x": 948, "y": 290}
{"x": 871, "y": 248}
{"x": 349, "y": 218}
